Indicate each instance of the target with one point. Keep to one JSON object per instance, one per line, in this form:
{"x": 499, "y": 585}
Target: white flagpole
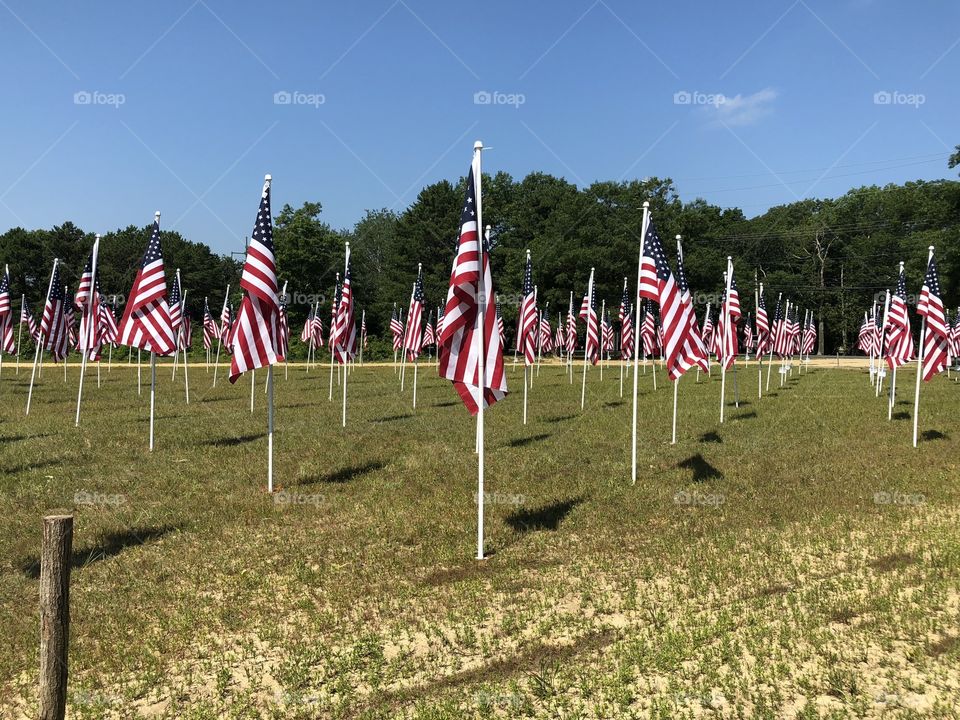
{"x": 153, "y": 392}
{"x": 270, "y": 428}
{"x": 478, "y": 334}
{"x": 706, "y": 344}
{"x": 603, "y": 310}
{"x": 176, "y": 344}
{"x": 23, "y": 300}
{"x": 183, "y": 336}
{"x": 330, "y": 393}
{"x": 86, "y": 341}
{"x": 38, "y": 353}
{"x": 725, "y": 318}
{"x": 139, "y": 367}
{"x": 773, "y": 330}
{"x": 346, "y": 330}
{"x": 583, "y": 383}
{"x": 216, "y": 364}
{"x": 569, "y": 342}
{"x": 676, "y": 382}
{"x": 622, "y": 359}
{"x": 756, "y": 305}
{"x": 636, "y": 346}
{"x": 784, "y": 363}
{"x": 873, "y": 320}
{"x": 923, "y": 337}
{"x": 883, "y": 333}
{"x": 253, "y": 385}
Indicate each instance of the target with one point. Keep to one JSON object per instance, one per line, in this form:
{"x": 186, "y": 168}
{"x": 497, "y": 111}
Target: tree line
{"x": 832, "y": 256}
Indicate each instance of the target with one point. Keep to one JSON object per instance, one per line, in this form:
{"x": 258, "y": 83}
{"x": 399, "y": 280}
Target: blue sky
{"x": 115, "y": 109}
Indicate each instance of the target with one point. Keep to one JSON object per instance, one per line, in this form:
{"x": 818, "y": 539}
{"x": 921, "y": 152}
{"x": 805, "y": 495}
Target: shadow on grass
{"x": 900, "y": 416}
{"x": 393, "y": 418}
{"x": 710, "y": 437}
{"x": 111, "y": 545}
{"x": 745, "y": 416}
{"x": 932, "y": 435}
{"x": 613, "y": 403}
{"x": 344, "y": 475}
{"x": 702, "y": 470}
{"x": 533, "y": 660}
{"x": 560, "y": 418}
{"x": 36, "y": 465}
{"x": 522, "y": 442}
{"x": 18, "y": 438}
{"x": 446, "y": 404}
{"x": 232, "y": 441}
{"x": 547, "y": 517}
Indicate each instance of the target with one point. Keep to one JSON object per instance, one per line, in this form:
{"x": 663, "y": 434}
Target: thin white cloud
{"x": 743, "y": 110}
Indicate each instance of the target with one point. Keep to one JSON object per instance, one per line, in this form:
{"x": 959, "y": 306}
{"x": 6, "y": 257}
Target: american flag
{"x": 624, "y": 303}
{"x": 316, "y": 327}
{"x": 864, "y": 339}
{"x": 648, "y": 330}
{"x": 175, "y": 303}
{"x": 680, "y": 339}
{"x": 955, "y": 335}
{"x": 185, "y": 338}
{"x": 559, "y": 337}
{"x": 707, "y": 333}
{"x": 70, "y": 318}
{"x": 692, "y": 350}
{"x": 396, "y": 327}
{"x": 936, "y": 338}
{"x": 729, "y": 312}
{"x": 334, "y": 307}
{"x": 210, "y": 329}
{"x": 781, "y": 339}
{"x": 346, "y": 334}
{"x": 763, "y": 324}
{"x": 413, "y": 337}
{"x": 626, "y": 332}
{"x": 428, "y": 331}
{"x": 7, "y": 343}
{"x": 226, "y": 324}
{"x": 900, "y": 348}
{"x": 571, "y": 332}
{"x": 108, "y": 322}
{"x": 748, "y": 334}
{"x": 588, "y": 312}
{"x": 606, "y": 332}
{"x": 809, "y": 336}
{"x": 501, "y": 330}
{"x": 26, "y": 318}
{"x": 546, "y": 334}
{"x": 527, "y": 321}
{"x": 794, "y": 331}
{"x": 363, "y": 329}
{"x": 146, "y": 318}
{"x": 307, "y": 331}
{"x": 258, "y": 321}
{"x": 53, "y": 324}
{"x": 471, "y": 289}
{"x": 88, "y": 301}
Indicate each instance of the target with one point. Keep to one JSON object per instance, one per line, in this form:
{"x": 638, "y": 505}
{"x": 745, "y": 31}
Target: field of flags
{"x": 656, "y": 324}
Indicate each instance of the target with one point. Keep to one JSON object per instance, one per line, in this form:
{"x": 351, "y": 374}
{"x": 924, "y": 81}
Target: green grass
{"x": 752, "y": 571}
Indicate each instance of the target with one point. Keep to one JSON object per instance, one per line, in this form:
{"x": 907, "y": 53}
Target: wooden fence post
{"x": 55, "y": 558}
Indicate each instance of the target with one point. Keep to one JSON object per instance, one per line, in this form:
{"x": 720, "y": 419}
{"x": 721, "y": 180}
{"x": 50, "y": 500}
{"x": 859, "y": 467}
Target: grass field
{"x": 800, "y": 560}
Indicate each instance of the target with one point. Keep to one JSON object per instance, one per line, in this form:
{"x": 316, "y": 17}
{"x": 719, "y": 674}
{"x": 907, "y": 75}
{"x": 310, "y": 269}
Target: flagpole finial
{"x": 267, "y": 178}
{"x": 678, "y": 237}
{"x": 477, "y": 145}
{"x": 156, "y": 215}
{"x": 528, "y": 251}
{"x": 646, "y": 203}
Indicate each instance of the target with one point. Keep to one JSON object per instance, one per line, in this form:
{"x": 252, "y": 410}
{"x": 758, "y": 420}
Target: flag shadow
{"x": 111, "y": 545}
{"x": 232, "y": 441}
{"x": 344, "y": 475}
{"x": 547, "y": 517}
{"x": 522, "y": 442}
{"x": 710, "y": 437}
{"x": 702, "y": 470}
